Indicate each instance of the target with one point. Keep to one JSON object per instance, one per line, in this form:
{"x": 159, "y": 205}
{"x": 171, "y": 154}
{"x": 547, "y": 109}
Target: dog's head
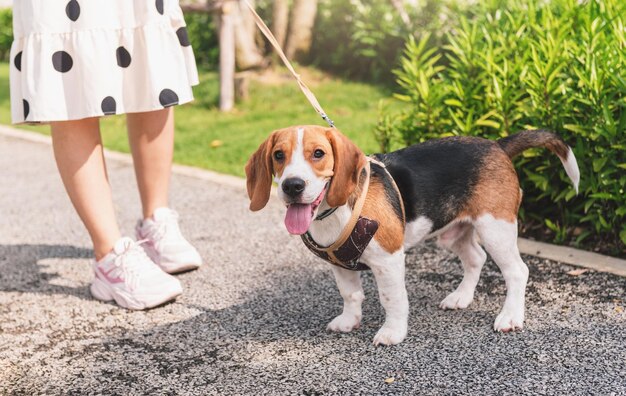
{"x": 309, "y": 164}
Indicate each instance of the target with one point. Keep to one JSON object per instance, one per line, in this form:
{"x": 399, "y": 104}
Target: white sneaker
{"x": 165, "y": 244}
{"x": 128, "y": 276}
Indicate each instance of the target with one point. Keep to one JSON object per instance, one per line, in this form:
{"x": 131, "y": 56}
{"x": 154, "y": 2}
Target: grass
{"x": 272, "y": 105}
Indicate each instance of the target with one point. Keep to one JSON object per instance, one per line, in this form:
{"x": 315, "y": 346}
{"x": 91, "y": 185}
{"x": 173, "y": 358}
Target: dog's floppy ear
{"x": 259, "y": 174}
{"x": 349, "y": 161}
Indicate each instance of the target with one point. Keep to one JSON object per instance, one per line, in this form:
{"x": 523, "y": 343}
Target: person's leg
{"x": 151, "y": 137}
{"x": 80, "y": 160}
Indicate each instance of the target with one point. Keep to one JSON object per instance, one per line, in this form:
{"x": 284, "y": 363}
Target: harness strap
{"x": 356, "y": 212}
{"x": 346, "y": 251}
{"x": 349, "y": 254}
{"x": 305, "y": 90}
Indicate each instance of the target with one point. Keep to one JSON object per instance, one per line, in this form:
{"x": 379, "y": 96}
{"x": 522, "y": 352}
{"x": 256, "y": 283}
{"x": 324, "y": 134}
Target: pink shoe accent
{"x": 100, "y": 273}
{"x": 128, "y": 276}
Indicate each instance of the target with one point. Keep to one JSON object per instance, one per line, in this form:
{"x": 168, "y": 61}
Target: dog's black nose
{"x": 293, "y": 186}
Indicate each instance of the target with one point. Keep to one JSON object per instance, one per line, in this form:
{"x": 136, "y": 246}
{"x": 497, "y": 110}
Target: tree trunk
{"x": 227, "y": 56}
{"x": 301, "y": 29}
{"x": 248, "y": 55}
{"x": 280, "y": 20}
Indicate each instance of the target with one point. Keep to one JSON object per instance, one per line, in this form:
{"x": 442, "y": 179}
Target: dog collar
{"x": 325, "y": 213}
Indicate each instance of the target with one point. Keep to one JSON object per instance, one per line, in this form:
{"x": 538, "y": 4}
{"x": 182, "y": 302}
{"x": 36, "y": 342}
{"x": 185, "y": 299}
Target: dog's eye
{"x": 279, "y": 155}
{"x": 318, "y": 153}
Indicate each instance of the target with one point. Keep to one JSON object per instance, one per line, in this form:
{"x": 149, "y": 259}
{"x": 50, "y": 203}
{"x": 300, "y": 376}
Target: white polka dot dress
{"x": 73, "y": 59}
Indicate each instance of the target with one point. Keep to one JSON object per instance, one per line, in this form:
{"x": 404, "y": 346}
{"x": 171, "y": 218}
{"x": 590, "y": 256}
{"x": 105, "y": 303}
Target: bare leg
{"x": 349, "y": 285}
{"x": 151, "y": 137}
{"x": 80, "y": 160}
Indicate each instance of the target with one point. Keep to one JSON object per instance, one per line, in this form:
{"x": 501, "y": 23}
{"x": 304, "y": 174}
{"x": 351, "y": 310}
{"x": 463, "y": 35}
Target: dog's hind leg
{"x": 461, "y": 240}
{"x": 349, "y": 285}
{"x": 499, "y": 237}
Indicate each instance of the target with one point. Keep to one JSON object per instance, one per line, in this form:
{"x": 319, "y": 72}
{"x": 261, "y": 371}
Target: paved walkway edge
{"x": 219, "y": 178}
{"x": 561, "y": 254}
{"x": 565, "y": 254}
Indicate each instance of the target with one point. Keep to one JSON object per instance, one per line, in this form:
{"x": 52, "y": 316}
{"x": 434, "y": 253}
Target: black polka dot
{"x": 168, "y": 98}
{"x": 73, "y": 10}
{"x": 159, "y": 6}
{"x": 62, "y": 61}
{"x": 108, "y": 105}
{"x": 26, "y": 108}
{"x": 18, "y": 61}
{"x": 123, "y": 57}
{"x": 183, "y": 38}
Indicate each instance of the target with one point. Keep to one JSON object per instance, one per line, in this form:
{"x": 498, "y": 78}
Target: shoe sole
{"x": 170, "y": 268}
{"x": 178, "y": 268}
{"x": 103, "y": 292}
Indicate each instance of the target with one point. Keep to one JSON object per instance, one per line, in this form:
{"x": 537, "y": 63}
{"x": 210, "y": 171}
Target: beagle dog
{"x": 463, "y": 191}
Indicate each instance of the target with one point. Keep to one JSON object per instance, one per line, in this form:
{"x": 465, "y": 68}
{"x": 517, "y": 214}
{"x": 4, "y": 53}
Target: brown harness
{"x": 346, "y": 251}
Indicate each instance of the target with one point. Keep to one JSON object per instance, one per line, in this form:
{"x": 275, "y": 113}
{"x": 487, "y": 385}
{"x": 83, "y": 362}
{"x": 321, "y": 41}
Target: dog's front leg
{"x": 389, "y": 274}
{"x": 349, "y": 285}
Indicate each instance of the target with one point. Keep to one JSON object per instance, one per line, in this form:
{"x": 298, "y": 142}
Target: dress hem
{"x": 101, "y": 115}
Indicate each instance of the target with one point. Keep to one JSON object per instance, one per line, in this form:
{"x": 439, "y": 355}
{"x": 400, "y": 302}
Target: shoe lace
{"x": 130, "y": 263}
{"x": 166, "y": 229}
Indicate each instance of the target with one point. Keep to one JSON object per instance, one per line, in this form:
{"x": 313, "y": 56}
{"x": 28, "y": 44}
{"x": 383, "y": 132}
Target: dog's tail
{"x": 515, "y": 144}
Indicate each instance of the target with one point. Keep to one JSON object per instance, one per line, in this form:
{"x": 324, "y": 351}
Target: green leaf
{"x": 598, "y": 163}
{"x": 551, "y": 225}
{"x": 404, "y": 98}
{"x": 583, "y": 235}
{"x": 603, "y": 221}
{"x": 603, "y": 195}
{"x": 453, "y": 102}
{"x": 488, "y": 123}
{"x": 574, "y": 128}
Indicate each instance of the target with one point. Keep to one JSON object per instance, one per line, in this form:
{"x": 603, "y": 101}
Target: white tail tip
{"x": 571, "y": 168}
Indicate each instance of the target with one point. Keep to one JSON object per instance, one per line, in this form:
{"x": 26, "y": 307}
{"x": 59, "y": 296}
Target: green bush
{"x": 6, "y": 33}
{"x": 525, "y": 64}
{"x": 203, "y": 38}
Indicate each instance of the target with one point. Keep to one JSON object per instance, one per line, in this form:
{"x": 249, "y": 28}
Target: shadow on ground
{"x": 274, "y": 341}
{"x": 33, "y": 269}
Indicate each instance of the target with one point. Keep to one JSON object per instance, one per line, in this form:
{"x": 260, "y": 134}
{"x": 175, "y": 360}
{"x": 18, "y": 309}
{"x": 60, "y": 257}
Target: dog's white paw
{"x": 390, "y": 335}
{"x": 457, "y": 300}
{"x": 509, "y": 320}
{"x": 345, "y": 323}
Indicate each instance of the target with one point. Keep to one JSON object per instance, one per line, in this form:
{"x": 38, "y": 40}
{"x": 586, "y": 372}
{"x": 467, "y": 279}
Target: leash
{"x": 305, "y": 90}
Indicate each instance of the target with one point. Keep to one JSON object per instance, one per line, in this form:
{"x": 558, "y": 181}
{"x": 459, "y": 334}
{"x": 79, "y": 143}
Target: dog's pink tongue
{"x": 298, "y": 218}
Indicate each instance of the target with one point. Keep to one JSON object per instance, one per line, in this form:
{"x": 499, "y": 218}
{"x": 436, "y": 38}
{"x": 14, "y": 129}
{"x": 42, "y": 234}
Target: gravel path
{"x": 252, "y": 320}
